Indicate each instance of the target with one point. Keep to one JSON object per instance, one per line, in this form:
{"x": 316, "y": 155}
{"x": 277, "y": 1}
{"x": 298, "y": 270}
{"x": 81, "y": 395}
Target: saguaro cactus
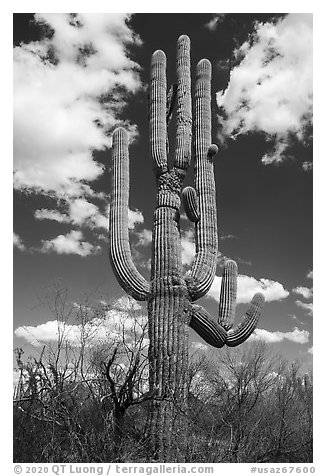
{"x": 170, "y": 293}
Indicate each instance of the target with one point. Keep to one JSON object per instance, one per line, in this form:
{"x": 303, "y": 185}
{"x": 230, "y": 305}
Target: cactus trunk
{"x": 168, "y": 335}
{"x": 171, "y": 294}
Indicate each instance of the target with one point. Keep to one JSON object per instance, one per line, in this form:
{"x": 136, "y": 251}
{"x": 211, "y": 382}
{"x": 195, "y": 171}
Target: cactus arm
{"x": 228, "y": 295}
{"x": 221, "y": 332}
{"x": 245, "y": 328}
{"x": 190, "y": 203}
{"x": 184, "y": 115}
{"x": 119, "y": 249}
{"x": 216, "y": 335}
{"x": 157, "y": 113}
{"x": 209, "y": 330}
{"x": 204, "y": 265}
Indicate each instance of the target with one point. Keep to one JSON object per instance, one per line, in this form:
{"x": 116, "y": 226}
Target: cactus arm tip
{"x": 159, "y": 55}
{"x": 184, "y": 39}
{"x": 204, "y": 65}
{"x": 212, "y": 150}
{"x": 190, "y": 203}
{"x": 182, "y": 154}
{"x": 119, "y": 130}
{"x": 248, "y": 324}
{"x": 157, "y": 112}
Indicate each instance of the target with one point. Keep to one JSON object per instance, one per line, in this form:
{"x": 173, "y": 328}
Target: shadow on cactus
{"x": 171, "y": 294}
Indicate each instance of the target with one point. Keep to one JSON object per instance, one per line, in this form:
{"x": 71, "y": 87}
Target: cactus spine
{"x": 170, "y": 294}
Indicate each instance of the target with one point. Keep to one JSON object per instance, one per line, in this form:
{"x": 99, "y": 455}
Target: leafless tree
{"x": 106, "y": 360}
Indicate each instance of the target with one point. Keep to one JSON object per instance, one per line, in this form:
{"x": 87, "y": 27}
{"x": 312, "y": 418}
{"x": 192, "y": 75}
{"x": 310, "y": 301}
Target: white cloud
{"x": 134, "y": 217}
{"x": 261, "y": 95}
{"x": 248, "y": 286}
{"x": 218, "y": 18}
{"x": 310, "y": 274}
{"x": 307, "y": 166}
{"x": 296, "y": 335}
{"x": 303, "y": 291}
{"x": 127, "y": 304}
{"x": 71, "y": 243}
{"x": 102, "y": 237}
{"x": 60, "y": 112}
{"x": 55, "y": 215}
{"x": 144, "y": 237}
{"x": 122, "y": 321}
{"x": 18, "y": 243}
{"x": 308, "y": 307}
{"x": 188, "y": 247}
{"x": 306, "y": 293}
{"x": 49, "y": 332}
{"x": 82, "y": 212}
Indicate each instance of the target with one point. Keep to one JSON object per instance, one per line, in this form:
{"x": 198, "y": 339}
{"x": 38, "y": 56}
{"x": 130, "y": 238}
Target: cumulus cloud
{"x": 117, "y": 323}
{"x": 61, "y": 110}
{"x": 18, "y": 242}
{"x": 215, "y": 21}
{"x": 134, "y": 217}
{"x": 49, "y": 332}
{"x": 306, "y": 293}
{"x": 82, "y": 212}
{"x": 261, "y": 95}
{"x": 308, "y": 307}
{"x": 303, "y": 291}
{"x": 144, "y": 237}
{"x": 126, "y": 304}
{"x": 54, "y": 215}
{"x": 188, "y": 247}
{"x": 296, "y": 335}
{"x": 306, "y": 166}
{"x": 248, "y": 286}
{"x": 71, "y": 243}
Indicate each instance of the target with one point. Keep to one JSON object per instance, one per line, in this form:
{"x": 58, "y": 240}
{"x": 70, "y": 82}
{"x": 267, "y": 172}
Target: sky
{"x": 77, "y": 77}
